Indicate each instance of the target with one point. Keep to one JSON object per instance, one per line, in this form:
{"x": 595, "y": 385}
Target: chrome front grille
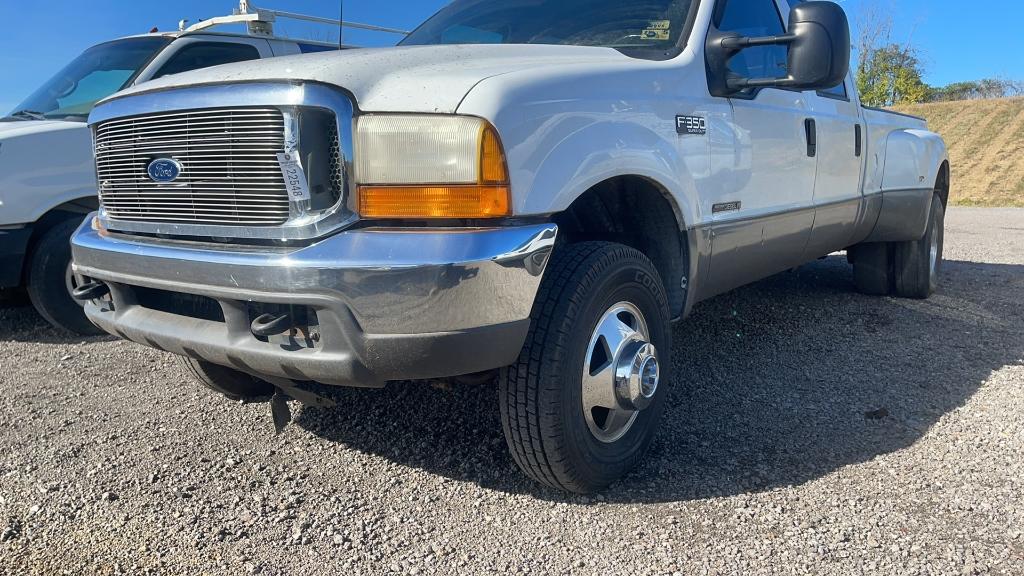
{"x": 230, "y": 173}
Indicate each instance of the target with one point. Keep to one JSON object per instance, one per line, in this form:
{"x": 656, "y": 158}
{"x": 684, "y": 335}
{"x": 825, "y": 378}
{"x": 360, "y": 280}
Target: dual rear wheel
{"x": 907, "y": 269}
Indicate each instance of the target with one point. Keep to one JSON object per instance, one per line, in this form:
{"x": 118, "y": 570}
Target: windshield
{"x": 646, "y": 24}
{"x": 99, "y": 72}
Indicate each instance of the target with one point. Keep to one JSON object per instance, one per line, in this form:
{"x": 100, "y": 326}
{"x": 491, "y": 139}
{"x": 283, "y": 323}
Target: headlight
{"x": 430, "y": 166}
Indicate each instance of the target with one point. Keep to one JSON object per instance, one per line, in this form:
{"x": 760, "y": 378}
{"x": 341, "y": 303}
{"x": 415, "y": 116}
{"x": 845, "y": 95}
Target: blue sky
{"x": 959, "y": 41}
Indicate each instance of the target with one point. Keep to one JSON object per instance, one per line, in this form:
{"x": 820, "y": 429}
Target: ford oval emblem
{"x": 164, "y": 170}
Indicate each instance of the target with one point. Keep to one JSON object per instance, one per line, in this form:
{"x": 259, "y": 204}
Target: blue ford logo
{"x": 164, "y": 170}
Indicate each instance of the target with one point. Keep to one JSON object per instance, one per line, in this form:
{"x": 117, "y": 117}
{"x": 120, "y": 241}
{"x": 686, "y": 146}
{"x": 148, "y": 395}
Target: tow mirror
{"x": 818, "y": 58}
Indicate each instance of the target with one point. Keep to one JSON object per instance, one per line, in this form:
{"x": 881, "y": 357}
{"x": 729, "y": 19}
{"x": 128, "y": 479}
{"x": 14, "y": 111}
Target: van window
{"x": 206, "y": 54}
{"x": 311, "y": 48}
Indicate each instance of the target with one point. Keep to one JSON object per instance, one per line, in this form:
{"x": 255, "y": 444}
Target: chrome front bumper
{"x": 391, "y": 304}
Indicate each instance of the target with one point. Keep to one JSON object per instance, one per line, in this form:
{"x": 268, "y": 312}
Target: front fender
{"x": 579, "y": 157}
{"x": 566, "y": 129}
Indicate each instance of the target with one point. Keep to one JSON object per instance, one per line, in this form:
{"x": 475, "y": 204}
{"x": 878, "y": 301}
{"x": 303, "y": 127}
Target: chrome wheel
{"x": 935, "y": 243}
{"x": 620, "y": 373}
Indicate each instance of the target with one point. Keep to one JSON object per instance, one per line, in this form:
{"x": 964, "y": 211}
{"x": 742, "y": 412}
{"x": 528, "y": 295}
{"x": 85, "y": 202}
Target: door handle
{"x": 811, "y": 128}
{"x": 858, "y": 140}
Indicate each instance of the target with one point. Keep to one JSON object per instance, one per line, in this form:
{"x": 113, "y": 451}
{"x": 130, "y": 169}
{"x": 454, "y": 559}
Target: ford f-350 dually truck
{"x": 531, "y": 191}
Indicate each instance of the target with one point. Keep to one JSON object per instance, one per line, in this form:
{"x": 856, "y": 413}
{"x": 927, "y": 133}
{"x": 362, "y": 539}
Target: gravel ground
{"x": 810, "y": 430}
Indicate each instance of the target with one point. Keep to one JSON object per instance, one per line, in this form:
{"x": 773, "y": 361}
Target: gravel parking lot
{"x": 809, "y": 430}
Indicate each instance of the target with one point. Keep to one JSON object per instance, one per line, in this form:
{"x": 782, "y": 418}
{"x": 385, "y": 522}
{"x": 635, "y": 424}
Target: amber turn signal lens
{"x": 462, "y": 201}
{"x": 492, "y": 158}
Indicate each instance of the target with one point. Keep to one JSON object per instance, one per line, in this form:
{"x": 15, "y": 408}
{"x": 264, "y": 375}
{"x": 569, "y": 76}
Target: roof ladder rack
{"x": 260, "y": 21}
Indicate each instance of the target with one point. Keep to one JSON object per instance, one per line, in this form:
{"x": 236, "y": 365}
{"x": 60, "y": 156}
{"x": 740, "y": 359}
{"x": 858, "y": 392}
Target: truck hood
{"x": 432, "y": 79}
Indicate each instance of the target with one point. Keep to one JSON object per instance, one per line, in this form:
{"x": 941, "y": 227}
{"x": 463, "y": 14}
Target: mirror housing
{"x": 818, "y": 57}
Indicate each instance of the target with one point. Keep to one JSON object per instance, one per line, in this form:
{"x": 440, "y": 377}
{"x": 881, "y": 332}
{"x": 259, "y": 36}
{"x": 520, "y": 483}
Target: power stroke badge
{"x": 691, "y": 125}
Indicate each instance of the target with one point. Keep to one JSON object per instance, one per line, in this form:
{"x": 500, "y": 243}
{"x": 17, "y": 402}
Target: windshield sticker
{"x": 657, "y": 30}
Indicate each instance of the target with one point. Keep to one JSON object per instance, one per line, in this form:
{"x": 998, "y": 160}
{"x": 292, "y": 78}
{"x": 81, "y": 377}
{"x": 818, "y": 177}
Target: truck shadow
{"x": 775, "y": 385}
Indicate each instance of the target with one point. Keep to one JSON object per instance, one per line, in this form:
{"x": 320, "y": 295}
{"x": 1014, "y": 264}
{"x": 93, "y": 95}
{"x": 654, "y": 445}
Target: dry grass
{"x": 986, "y": 148}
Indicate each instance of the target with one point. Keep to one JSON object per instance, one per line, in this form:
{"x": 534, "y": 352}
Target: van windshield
{"x": 99, "y": 72}
{"x": 646, "y": 24}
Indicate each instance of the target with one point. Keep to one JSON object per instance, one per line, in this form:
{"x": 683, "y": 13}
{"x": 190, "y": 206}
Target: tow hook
{"x": 90, "y": 291}
{"x": 271, "y": 325}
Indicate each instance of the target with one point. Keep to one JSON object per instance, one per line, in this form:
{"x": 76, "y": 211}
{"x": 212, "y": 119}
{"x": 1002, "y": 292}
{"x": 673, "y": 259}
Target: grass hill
{"x": 986, "y": 148}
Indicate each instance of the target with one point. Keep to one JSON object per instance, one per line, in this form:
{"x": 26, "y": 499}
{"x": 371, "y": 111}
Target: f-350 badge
{"x": 691, "y": 125}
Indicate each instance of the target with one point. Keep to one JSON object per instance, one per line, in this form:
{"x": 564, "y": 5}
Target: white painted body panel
{"x": 839, "y": 169}
{"x": 43, "y": 164}
{"x": 906, "y": 155}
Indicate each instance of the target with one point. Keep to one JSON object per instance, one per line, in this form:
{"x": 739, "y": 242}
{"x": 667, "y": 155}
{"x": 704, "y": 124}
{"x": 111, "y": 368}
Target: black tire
{"x": 915, "y": 271}
{"x": 872, "y": 266}
{"x": 541, "y": 394}
{"x": 48, "y": 288}
{"x": 235, "y": 385}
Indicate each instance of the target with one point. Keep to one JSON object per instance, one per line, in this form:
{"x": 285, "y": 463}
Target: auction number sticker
{"x": 294, "y": 176}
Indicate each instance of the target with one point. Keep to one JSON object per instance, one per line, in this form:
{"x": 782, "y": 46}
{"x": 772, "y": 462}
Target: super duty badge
{"x": 691, "y": 125}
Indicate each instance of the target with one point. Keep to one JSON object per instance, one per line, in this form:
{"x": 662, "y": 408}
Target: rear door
{"x": 762, "y": 216}
{"x": 839, "y": 183}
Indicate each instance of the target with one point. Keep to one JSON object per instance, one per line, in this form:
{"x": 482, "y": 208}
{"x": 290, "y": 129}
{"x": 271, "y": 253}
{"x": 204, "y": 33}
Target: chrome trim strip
{"x": 303, "y": 225}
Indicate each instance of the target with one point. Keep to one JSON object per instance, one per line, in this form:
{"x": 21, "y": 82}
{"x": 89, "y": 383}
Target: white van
{"x": 47, "y": 176}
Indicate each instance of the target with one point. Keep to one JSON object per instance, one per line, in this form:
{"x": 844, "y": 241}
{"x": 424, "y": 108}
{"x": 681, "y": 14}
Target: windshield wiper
{"x": 28, "y": 114}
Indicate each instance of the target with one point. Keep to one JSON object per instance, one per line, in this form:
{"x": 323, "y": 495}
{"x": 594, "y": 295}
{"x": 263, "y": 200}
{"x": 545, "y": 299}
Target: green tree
{"x": 891, "y": 75}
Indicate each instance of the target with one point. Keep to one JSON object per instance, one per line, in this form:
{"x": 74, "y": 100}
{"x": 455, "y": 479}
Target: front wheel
{"x": 582, "y": 404}
{"x": 50, "y": 281}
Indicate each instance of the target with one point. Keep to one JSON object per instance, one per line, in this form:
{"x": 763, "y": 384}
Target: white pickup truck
{"x": 47, "y": 174}
{"x": 527, "y": 191}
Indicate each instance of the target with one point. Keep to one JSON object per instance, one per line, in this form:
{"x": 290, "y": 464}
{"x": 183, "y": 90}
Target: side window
{"x": 754, "y": 18}
{"x": 206, "y": 54}
{"x": 837, "y": 92}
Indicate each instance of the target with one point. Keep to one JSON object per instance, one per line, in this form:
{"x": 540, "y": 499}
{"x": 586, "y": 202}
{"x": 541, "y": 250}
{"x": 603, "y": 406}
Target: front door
{"x": 762, "y": 217}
